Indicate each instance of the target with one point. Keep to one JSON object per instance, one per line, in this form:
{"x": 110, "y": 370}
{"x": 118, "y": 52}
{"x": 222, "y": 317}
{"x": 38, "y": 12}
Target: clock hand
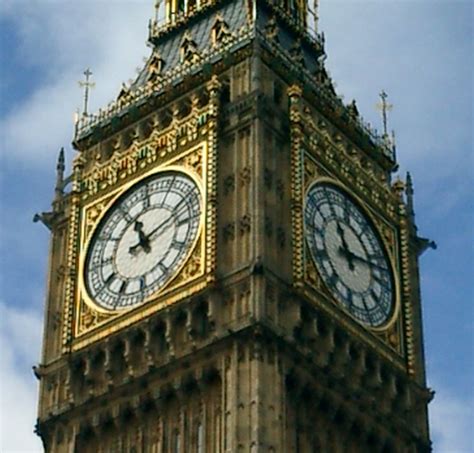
{"x": 345, "y": 247}
{"x": 361, "y": 259}
{"x": 163, "y": 225}
{"x": 143, "y": 241}
{"x": 166, "y": 223}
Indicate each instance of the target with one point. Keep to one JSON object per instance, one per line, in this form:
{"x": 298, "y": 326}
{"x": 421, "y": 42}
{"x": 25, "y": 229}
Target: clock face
{"x": 143, "y": 240}
{"x": 349, "y": 255}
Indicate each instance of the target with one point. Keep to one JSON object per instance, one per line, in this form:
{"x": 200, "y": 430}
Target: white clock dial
{"x": 143, "y": 240}
{"x": 349, "y": 255}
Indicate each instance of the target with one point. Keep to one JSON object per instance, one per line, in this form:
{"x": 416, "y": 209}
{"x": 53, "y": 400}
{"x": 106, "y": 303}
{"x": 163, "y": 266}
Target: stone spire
{"x": 60, "y": 167}
{"x": 409, "y": 193}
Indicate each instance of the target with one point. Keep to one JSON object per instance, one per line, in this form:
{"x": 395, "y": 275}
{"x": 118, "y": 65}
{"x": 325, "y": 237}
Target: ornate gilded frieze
{"x": 321, "y": 157}
{"x": 187, "y": 149}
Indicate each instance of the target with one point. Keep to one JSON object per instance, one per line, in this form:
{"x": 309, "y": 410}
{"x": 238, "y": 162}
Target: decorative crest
{"x": 155, "y": 66}
{"x": 219, "y": 31}
{"x": 87, "y": 85}
{"x": 188, "y": 49}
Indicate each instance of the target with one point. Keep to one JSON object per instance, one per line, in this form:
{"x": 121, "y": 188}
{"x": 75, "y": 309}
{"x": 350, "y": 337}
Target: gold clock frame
{"x": 320, "y": 151}
{"x": 389, "y": 252}
{"x": 94, "y": 192}
{"x": 88, "y": 231}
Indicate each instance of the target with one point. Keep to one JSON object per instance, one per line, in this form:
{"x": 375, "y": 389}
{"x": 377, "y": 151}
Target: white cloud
{"x": 452, "y": 422}
{"x": 20, "y": 345}
{"x": 61, "y": 38}
{"x": 108, "y": 38}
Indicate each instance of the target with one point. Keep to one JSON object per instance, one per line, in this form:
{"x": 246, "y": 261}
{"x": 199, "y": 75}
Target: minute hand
{"x": 364, "y": 260}
{"x": 166, "y": 223}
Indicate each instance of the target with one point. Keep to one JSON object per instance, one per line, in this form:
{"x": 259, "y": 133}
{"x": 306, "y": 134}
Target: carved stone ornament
{"x": 89, "y": 318}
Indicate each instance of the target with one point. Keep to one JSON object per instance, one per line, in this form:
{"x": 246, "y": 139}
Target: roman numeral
{"x": 323, "y": 254}
{"x": 349, "y": 298}
{"x": 142, "y": 283}
{"x": 123, "y": 287}
{"x": 333, "y": 280}
{"x": 177, "y": 244}
{"x": 110, "y": 278}
{"x": 163, "y": 267}
{"x": 187, "y": 220}
{"x": 367, "y": 310}
{"x": 146, "y": 196}
{"x": 168, "y": 189}
{"x": 99, "y": 264}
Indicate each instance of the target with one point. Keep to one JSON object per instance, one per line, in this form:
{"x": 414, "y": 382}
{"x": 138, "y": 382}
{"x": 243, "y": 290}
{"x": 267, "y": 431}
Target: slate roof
{"x": 233, "y": 13}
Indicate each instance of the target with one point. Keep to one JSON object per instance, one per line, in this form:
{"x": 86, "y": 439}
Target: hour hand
{"x": 143, "y": 240}
{"x": 133, "y": 250}
{"x": 345, "y": 252}
{"x": 344, "y": 248}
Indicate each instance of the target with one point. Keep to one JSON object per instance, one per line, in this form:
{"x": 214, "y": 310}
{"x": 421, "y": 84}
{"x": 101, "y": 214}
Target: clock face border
{"x": 390, "y": 259}
{"x": 111, "y": 204}
{"x": 85, "y": 322}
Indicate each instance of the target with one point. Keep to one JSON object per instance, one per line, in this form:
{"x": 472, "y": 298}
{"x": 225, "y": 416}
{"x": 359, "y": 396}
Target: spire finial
{"x": 409, "y": 192}
{"x": 60, "y": 167}
{"x": 384, "y": 107}
{"x": 87, "y": 85}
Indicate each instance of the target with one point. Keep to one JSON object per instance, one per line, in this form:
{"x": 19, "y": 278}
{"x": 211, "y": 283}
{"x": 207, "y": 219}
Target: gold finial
{"x": 398, "y": 187}
{"x": 87, "y": 84}
{"x": 384, "y": 107}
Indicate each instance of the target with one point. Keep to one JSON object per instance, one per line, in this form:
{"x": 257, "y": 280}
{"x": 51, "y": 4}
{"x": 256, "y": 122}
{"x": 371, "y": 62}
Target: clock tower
{"x": 232, "y": 268}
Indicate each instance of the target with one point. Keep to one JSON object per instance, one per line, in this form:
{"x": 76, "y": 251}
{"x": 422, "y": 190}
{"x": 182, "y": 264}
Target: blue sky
{"x": 419, "y": 51}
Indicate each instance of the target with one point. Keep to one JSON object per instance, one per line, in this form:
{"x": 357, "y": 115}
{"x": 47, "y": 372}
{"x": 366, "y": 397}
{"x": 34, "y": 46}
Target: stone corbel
{"x": 108, "y": 359}
{"x": 212, "y": 302}
{"x": 127, "y": 357}
{"x": 150, "y": 363}
{"x": 115, "y": 415}
{"x": 88, "y": 378}
{"x": 168, "y": 333}
{"x": 199, "y": 379}
{"x": 190, "y": 327}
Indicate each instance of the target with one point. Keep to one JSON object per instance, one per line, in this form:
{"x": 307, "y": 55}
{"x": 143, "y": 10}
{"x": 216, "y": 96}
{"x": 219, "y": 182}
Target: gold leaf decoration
{"x": 312, "y": 275}
{"x": 90, "y": 318}
{"x": 92, "y": 215}
{"x": 194, "y": 161}
{"x": 310, "y": 172}
{"x": 192, "y": 268}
